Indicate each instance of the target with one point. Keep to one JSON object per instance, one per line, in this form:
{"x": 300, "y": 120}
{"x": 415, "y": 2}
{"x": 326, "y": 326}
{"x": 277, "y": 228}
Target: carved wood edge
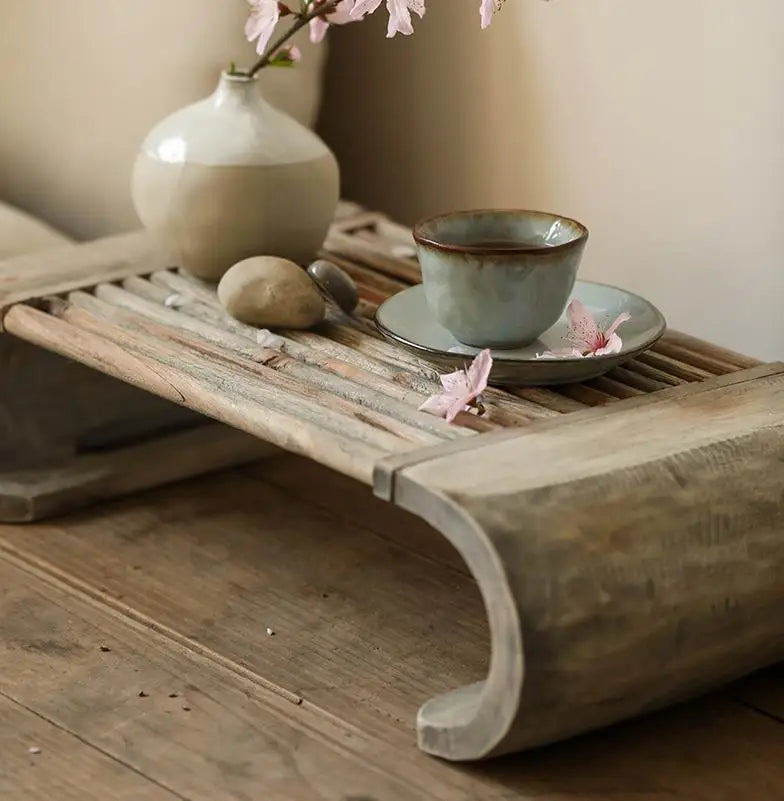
{"x": 518, "y": 707}
{"x": 386, "y": 470}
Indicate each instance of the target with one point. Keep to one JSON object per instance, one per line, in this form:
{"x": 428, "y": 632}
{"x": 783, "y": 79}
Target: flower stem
{"x": 302, "y": 20}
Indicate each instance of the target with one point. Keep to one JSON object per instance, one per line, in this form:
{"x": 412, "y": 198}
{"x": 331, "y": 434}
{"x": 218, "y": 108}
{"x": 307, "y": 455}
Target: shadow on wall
{"x": 658, "y": 124}
{"x": 419, "y": 128}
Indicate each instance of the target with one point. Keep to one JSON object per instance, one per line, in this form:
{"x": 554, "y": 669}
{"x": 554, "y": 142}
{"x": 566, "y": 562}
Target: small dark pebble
{"x": 186, "y": 709}
{"x": 173, "y": 695}
{"x": 136, "y": 567}
{"x": 325, "y": 595}
{"x": 336, "y": 283}
{"x": 143, "y": 694}
{"x": 104, "y": 649}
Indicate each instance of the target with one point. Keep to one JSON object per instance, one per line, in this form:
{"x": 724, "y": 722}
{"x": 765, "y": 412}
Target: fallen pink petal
{"x": 462, "y": 389}
{"x": 585, "y": 336}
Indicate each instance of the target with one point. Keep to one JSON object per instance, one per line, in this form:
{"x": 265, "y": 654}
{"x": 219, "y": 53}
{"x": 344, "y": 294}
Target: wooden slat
{"x": 397, "y": 407}
{"x": 249, "y": 378}
{"x": 648, "y": 371}
{"x": 549, "y": 399}
{"x": 76, "y": 266}
{"x": 211, "y": 326}
{"x": 637, "y": 380}
{"x": 351, "y": 446}
{"x": 370, "y": 353}
{"x": 694, "y": 358}
{"x": 610, "y": 386}
{"x": 674, "y": 367}
{"x": 590, "y": 396}
{"x": 364, "y": 253}
{"x": 708, "y": 349}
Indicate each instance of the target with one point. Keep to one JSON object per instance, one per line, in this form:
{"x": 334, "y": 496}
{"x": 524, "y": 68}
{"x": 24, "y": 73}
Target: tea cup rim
{"x": 422, "y": 239}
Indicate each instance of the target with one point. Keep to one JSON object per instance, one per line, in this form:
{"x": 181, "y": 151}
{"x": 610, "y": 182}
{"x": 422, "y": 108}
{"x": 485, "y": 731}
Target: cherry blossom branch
{"x": 303, "y": 19}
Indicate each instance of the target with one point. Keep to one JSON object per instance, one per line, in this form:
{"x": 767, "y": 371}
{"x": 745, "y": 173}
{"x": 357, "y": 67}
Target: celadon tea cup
{"x": 499, "y": 278}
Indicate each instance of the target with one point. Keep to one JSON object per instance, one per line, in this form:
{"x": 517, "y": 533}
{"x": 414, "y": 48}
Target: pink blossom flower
{"x": 586, "y": 337}
{"x": 462, "y": 389}
{"x": 264, "y": 16}
{"x": 487, "y": 9}
{"x": 339, "y": 15}
{"x": 399, "y": 13}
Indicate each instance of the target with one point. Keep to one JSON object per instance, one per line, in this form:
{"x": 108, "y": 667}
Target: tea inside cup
{"x": 499, "y": 278}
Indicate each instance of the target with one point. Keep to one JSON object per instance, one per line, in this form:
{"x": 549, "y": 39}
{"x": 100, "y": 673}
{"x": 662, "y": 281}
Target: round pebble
{"x": 271, "y": 292}
{"x": 335, "y": 283}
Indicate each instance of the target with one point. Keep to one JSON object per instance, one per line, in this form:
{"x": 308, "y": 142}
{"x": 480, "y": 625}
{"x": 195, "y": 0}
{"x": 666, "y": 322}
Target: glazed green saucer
{"x": 406, "y": 320}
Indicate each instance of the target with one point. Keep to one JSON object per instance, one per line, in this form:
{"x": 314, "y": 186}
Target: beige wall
{"x": 659, "y": 123}
{"x": 82, "y": 81}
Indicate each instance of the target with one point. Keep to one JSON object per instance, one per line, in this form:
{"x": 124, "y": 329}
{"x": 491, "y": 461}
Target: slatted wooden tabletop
{"x": 339, "y": 394}
{"x": 253, "y": 635}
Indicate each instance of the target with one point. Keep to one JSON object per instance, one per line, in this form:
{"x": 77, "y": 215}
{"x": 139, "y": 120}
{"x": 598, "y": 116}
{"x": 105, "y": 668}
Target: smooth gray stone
{"x": 267, "y": 291}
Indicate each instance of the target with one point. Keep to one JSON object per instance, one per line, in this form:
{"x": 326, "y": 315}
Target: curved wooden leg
{"x": 627, "y": 560}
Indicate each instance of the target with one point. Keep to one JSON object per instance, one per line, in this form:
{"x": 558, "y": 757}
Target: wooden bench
{"x": 625, "y": 533}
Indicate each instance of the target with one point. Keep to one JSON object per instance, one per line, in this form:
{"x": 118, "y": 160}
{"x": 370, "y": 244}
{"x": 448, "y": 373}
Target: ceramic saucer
{"x": 406, "y": 320}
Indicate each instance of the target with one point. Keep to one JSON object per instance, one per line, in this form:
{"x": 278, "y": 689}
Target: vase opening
{"x": 235, "y": 77}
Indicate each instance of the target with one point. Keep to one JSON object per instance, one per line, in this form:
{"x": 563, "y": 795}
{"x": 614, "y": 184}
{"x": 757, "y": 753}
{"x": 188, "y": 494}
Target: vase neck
{"x": 237, "y": 90}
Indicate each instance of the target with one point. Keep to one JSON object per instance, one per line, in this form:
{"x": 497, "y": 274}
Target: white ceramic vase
{"x": 231, "y": 177}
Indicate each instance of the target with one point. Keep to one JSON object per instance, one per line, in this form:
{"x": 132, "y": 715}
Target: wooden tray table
{"x": 625, "y": 533}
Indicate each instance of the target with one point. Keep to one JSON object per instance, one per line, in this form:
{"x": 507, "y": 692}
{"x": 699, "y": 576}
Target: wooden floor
{"x": 268, "y": 633}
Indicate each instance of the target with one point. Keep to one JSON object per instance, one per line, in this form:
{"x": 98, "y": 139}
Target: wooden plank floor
{"x": 134, "y": 654}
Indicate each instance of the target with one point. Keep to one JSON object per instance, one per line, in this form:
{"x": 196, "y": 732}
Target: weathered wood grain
{"x": 199, "y": 559}
{"x": 84, "y": 479}
{"x": 649, "y": 569}
{"x": 52, "y": 408}
{"x": 61, "y": 765}
{"x": 674, "y": 367}
{"x": 632, "y": 379}
{"x": 700, "y": 348}
{"x": 222, "y": 736}
{"x": 392, "y": 406}
{"x": 76, "y": 266}
{"x": 200, "y": 382}
{"x": 647, "y": 370}
{"x": 350, "y": 345}
{"x": 376, "y": 257}
{"x": 221, "y": 561}
{"x": 606, "y": 541}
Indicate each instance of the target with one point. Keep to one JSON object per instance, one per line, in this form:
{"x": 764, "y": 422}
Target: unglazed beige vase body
{"x": 231, "y": 177}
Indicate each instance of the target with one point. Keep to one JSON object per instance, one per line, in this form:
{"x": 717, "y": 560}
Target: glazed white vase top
{"x": 231, "y": 177}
